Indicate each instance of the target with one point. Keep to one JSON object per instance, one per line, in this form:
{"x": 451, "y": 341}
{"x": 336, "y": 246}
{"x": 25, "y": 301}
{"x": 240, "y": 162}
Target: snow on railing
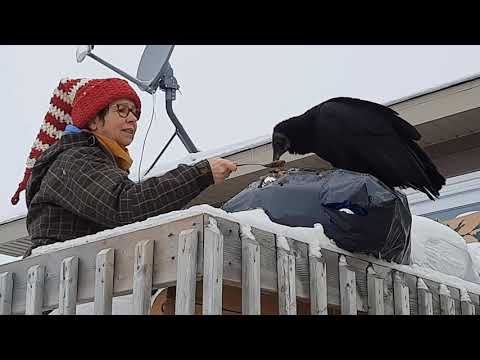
{"x": 208, "y": 245}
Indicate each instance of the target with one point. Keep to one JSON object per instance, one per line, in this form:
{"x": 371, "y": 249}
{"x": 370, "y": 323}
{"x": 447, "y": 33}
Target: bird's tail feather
{"x": 434, "y": 180}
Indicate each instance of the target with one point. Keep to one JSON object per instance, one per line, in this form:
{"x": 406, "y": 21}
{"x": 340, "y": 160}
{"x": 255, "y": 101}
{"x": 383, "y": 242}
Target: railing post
{"x": 142, "y": 277}
{"x": 376, "y": 304}
{"x": 6, "y": 293}
{"x": 104, "y": 282}
{"x": 348, "y": 288}
{"x": 401, "y": 295}
{"x": 467, "y": 307}
{"x": 250, "y": 272}
{"x": 186, "y": 272}
{"x": 425, "y": 305}
{"x": 447, "y": 306}
{"x": 318, "y": 281}
{"x": 212, "y": 269}
{"x": 67, "y": 294}
{"x": 35, "y": 285}
{"x": 287, "y": 294}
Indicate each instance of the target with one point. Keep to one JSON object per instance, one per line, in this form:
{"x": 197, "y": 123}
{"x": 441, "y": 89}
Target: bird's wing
{"x": 360, "y": 117}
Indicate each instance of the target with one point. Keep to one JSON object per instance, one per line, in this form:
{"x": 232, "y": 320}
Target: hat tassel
{"x": 22, "y": 186}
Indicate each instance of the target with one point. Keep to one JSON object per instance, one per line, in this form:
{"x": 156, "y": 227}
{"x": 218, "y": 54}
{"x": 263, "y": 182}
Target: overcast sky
{"x": 229, "y": 93}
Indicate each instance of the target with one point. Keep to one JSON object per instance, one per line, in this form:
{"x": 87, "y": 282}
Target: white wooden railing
{"x": 219, "y": 251}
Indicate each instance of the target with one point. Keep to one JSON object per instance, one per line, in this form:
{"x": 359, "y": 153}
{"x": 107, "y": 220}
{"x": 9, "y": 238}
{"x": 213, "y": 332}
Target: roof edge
{"x": 432, "y": 90}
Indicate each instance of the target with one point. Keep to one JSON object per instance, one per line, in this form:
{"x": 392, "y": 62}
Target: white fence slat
{"x": 212, "y": 269}
{"x": 401, "y": 294}
{"x": 104, "y": 282}
{"x": 318, "y": 283}
{"x": 67, "y": 293}
{"x": 425, "y": 304}
{"x": 186, "y": 272}
{"x": 6, "y": 293}
{"x": 447, "y": 305}
{"x": 35, "y": 285}
{"x": 142, "y": 277}
{"x": 250, "y": 272}
{"x": 348, "y": 288}
{"x": 287, "y": 294}
{"x": 376, "y": 305}
{"x": 467, "y": 307}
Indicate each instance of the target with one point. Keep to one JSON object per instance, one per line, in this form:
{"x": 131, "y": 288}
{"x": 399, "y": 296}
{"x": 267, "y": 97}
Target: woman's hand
{"x": 221, "y": 169}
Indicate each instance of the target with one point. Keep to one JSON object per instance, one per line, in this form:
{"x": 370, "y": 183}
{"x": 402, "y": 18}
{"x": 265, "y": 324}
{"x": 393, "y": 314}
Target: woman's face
{"x": 120, "y": 122}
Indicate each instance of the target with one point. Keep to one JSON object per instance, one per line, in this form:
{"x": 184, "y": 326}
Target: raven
{"x": 361, "y": 136}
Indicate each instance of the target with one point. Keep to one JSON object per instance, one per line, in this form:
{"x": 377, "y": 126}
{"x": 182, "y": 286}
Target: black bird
{"x": 361, "y": 136}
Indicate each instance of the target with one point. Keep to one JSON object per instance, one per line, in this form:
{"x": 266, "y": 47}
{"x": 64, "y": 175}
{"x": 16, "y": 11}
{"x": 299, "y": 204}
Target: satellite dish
{"x": 154, "y": 64}
{"x": 153, "y": 71}
{"x": 83, "y": 51}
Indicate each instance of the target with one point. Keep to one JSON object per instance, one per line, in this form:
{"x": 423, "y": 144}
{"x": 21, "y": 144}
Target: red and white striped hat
{"x": 67, "y": 108}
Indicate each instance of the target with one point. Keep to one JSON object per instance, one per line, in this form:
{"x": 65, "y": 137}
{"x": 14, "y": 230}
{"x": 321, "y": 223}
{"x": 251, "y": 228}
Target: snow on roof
{"x": 12, "y": 219}
{"x": 4, "y": 259}
{"x": 444, "y": 86}
{"x": 224, "y": 151}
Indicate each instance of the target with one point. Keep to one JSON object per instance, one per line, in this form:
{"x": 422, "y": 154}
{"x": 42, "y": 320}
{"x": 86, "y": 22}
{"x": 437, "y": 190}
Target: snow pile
{"x": 121, "y": 230}
{"x": 440, "y": 277}
{"x": 435, "y": 246}
{"x": 474, "y": 251}
{"x": 257, "y": 218}
{"x": 437, "y": 252}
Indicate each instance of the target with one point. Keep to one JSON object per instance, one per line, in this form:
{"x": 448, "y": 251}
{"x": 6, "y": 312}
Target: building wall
{"x": 461, "y": 194}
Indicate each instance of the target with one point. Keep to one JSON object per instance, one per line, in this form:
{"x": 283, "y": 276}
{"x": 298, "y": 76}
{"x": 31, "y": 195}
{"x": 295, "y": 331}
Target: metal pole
{"x": 182, "y": 134}
{"x": 161, "y": 153}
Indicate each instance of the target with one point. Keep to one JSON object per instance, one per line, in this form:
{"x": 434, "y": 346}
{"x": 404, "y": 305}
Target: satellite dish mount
{"x": 154, "y": 72}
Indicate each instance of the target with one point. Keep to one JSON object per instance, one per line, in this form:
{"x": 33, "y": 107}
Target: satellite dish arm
{"x": 140, "y": 84}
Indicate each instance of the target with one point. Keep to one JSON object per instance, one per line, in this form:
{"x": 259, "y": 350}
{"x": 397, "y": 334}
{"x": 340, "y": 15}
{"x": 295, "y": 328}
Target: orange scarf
{"x": 120, "y": 153}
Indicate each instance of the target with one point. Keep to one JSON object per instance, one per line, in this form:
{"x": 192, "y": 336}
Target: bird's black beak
{"x": 277, "y": 154}
{"x": 280, "y": 144}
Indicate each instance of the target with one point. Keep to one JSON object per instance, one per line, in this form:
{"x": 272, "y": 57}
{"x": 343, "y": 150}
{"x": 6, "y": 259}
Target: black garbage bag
{"x": 357, "y": 211}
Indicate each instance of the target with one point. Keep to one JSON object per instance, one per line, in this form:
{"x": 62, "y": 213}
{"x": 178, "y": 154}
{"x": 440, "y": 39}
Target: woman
{"x": 76, "y": 179}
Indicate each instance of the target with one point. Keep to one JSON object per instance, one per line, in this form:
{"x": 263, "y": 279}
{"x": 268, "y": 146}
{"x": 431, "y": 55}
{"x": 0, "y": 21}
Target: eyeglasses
{"x": 124, "y": 110}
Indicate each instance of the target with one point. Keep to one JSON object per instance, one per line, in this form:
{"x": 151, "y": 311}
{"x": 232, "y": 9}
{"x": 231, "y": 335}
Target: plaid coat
{"x": 76, "y": 189}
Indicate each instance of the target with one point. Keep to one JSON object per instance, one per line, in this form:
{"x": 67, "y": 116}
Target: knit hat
{"x": 74, "y": 101}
